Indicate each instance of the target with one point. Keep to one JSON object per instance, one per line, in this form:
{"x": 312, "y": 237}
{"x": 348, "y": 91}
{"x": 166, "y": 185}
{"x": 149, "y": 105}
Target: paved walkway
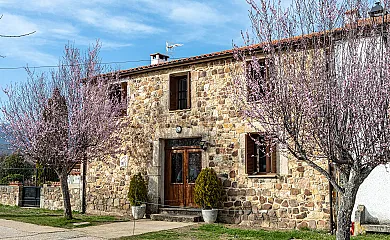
{"x": 25, "y": 231}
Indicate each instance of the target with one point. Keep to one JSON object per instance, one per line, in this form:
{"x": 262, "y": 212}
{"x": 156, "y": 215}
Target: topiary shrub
{"x": 208, "y": 189}
{"x": 138, "y": 193}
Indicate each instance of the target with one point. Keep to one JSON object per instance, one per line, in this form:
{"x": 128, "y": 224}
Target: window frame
{"x": 177, "y": 94}
{"x": 252, "y": 151}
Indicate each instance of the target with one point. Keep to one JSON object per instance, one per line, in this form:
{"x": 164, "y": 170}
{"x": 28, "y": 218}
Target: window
{"x": 260, "y": 156}
{"x": 118, "y": 95}
{"x": 256, "y": 76}
{"x": 179, "y": 91}
{"x": 177, "y": 168}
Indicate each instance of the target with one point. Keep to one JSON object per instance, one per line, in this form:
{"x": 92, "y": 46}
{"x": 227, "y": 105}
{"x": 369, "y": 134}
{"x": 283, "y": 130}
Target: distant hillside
{"x": 4, "y": 145}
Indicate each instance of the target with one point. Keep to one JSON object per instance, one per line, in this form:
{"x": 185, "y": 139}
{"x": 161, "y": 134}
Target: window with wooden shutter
{"x": 188, "y": 90}
{"x": 179, "y": 91}
{"x": 250, "y": 155}
{"x": 260, "y": 156}
{"x": 118, "y": 95}
{"x": 124, "y": 98}
{"x": 273, "y": 158}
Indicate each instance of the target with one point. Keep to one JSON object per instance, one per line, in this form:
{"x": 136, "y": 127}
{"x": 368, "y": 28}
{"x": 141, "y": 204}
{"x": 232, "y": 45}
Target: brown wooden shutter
{"x": 189, "y": 90}
{"x": 123, "y": 98}
{"x": 268, "y": 156}
{"x": 173, "y": 93}
{"x": 273, "y": 159}
{"x": 124, "y": 91}
{"x": 250, "y": 154}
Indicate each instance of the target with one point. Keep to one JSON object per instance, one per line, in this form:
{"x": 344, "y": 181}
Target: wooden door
{"x": 182, "y": 167}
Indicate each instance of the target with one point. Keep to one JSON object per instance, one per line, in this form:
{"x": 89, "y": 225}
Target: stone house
{"x": 180, "y": 118}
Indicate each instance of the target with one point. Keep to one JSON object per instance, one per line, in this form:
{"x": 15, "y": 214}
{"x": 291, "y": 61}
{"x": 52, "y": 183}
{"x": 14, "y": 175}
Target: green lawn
{"x": 214, "y": 232}
{"x": 198, "y": 232}
{"x": 52, "y": 218}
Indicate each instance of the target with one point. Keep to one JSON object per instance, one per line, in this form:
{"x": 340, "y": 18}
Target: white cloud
{"x": 63, "y": 31}
{"x": 106, "y": 44}
{"x": 196, "y": 13}
{"x": 98, "y": 14}
{"x": 53, "y": 34}
{"x": 123, "y": 25}
{"x": 184, "y": 12}
{"x": 111, "y": 23}
{"x": 16, "y": 25}
{"x": 19, "y": 49}
{"x": 119, "y": 24}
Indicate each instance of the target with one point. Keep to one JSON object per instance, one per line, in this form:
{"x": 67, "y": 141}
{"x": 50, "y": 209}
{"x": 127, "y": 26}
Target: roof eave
{"x": 186, "y": 62}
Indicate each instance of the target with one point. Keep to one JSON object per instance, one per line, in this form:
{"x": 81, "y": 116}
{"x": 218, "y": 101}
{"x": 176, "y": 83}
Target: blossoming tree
{"x": 320, "y": 87}
{"x": 56, "y": 120}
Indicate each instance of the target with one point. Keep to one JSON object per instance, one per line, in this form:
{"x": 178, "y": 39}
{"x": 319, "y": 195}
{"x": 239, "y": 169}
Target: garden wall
{"x": 10, "y": 195}
{"x": 51, "y": 197}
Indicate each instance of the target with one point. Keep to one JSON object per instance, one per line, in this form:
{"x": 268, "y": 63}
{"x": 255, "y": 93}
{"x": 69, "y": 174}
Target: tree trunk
{"x": 347, "y": 202}
{"x": 84, "y": 184}
{"x": 65, "y": 194}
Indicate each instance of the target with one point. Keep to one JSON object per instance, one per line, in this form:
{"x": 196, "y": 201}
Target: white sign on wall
{"x": 123, "y": 161}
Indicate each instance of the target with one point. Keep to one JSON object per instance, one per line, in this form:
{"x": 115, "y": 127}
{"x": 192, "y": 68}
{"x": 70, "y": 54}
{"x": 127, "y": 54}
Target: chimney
{"x": 157, "y": 58}
{"x": 351, "y": 16}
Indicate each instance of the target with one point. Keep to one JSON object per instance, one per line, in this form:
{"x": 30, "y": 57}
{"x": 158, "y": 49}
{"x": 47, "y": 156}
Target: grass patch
{"x": 217, "y": 231}
{"x": 53, "y": 218}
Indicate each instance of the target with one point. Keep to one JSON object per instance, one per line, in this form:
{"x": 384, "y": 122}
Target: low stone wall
{"x": 51, "y": 197}
{"x": 10, "y": 195}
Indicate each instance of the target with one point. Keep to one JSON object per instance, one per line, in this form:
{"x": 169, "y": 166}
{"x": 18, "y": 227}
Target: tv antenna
{"x": 170, "y": 47}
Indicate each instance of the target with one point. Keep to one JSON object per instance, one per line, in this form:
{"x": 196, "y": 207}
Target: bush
{"x": 15, "y": 168}
{"x": 45, "y": 174}
{"x": 12, "y": 178}
{"x": 208, "y": 189}
{"x": 138, "y": 193}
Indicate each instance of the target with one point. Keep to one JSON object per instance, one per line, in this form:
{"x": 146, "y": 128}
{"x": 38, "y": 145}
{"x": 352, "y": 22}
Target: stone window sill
{"x": 271, "y": 175}
{"x": 179, "y": 110}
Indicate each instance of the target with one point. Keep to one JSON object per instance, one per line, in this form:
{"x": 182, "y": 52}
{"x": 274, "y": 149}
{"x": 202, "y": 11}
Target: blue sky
{"x": 129, "y": 30}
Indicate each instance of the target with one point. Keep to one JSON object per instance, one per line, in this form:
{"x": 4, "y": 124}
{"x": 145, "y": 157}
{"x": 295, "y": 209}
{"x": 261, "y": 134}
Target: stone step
{"x": 181, "y": 211}
{"x": 175, "y": 218}
{"x": 376, "y": 228}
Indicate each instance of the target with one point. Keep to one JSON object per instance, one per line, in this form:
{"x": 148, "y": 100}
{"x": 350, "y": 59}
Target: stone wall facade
{"x": 10, "y": 195}
{"x": 51, "y": 197}
{"x": 296, "y": 196}
{"x": 295, "y": 200}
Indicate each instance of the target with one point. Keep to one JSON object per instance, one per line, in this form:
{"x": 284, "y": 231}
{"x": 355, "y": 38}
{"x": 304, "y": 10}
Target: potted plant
{"x": 208, "y": 194}
{"x": 137, "y": 196}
